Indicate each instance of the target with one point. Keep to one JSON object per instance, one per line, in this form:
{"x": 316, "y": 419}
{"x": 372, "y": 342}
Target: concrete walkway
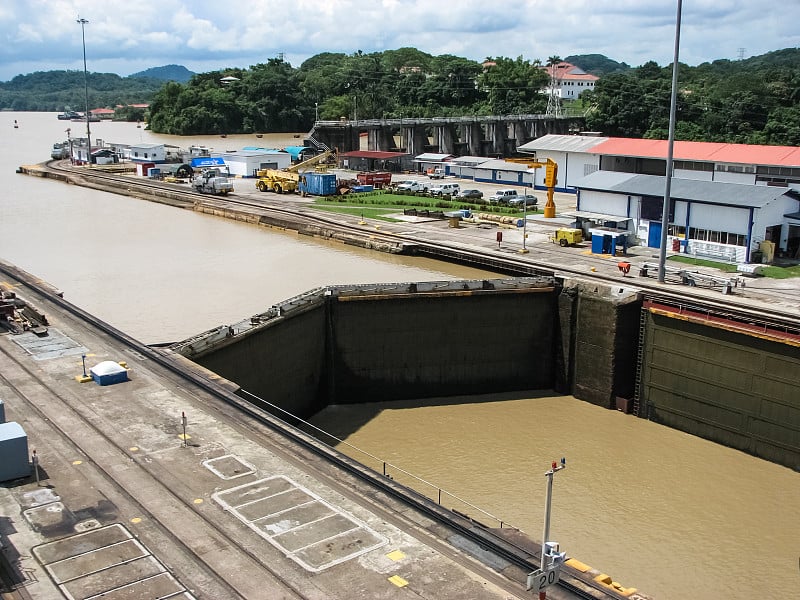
{"x": 130, "y": 507}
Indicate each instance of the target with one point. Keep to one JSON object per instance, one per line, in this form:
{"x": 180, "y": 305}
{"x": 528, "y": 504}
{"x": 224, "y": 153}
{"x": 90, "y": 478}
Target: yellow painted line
{"x": 198, "y": 500}
{"x": 184, "y": 437}
{"x": 135, "y": 520}
{"x": 396, "y": 555}
{"x": 398, "y": 581}
{"x": 77, "y": 462}
{"x": 133, "y": 448}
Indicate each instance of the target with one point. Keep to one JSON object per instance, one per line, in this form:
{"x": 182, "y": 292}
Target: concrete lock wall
{"x": 580, "y": 339}
{"x": 598, "y": 342}
{"x": 282, "y": 362}
{"x": 730, "y": 388}
{"x": 418, "y": 347}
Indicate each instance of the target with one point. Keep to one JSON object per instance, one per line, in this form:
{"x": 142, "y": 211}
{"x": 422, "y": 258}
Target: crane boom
{"x": 550, "y": 180}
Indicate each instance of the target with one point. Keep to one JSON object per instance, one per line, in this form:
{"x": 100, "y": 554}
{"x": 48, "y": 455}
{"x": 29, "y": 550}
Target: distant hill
{"x": 177, "y": 73}
{"x": 597, "y": 64}
{"x": 53, "y": 90}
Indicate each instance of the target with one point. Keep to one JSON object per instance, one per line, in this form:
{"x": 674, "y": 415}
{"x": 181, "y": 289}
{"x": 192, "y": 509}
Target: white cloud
{"x": 125, "y": 37}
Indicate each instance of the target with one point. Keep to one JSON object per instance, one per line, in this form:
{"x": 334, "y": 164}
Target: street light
{"x": 552, "y": 559}
{"x": 662, "y": 258}
{"x": 316, "y": 112}
{"x": 83, "y": 23}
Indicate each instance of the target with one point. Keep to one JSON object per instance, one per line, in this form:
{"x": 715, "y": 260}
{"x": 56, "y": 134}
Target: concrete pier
{"x": 169, "y": 484}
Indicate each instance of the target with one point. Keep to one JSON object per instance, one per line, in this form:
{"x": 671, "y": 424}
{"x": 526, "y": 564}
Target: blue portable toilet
{"x": 14, "y": 461}
{"x": 597, "y": 244}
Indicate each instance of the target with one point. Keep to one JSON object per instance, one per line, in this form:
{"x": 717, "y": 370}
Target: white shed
{"x": 245, "y": 163}
{"x": 431, "y": 160}
{"x": 464, "y": 166}
{"x": 502, "y": 172}
{"x": 155, "y": 153}
{"x": 570, "y": 153}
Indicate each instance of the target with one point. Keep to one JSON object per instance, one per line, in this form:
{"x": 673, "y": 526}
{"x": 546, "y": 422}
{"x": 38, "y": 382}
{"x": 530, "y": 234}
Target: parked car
{"x": 413, "y": 186}
{"x": 444, "y": 188}
{"x": 526, "y": 200}
{"x": 502, "y": 196}
{"x": 474, "y": 194}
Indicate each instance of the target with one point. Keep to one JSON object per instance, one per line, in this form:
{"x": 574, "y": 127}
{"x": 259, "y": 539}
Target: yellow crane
{"x": 550, "y": 180}
{"x": 287, "y": 180}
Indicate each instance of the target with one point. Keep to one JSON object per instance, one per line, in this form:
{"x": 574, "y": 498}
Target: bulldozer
{"x": 287, "y": 180}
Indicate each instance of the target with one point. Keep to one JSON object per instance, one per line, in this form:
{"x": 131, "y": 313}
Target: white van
{"x": 502, "y": 196}
{"x": 445, "y": 188}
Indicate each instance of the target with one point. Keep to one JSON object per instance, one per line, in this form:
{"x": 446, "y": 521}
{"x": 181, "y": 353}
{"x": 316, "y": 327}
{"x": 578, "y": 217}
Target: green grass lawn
{"x": 378, "y": 204}
{"x": 776, "y": 272}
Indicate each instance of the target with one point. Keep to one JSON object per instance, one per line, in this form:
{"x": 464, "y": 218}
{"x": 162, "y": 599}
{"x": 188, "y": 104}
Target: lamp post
{"x": 316, "y": 112}
{"x": 83, "y": 23}
{"x": 552, "y": 559}
{"x": 662, "y": 258}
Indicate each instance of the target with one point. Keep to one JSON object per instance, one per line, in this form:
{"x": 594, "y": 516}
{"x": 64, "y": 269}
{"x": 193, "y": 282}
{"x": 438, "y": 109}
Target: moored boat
{"x": 69, "y": 115}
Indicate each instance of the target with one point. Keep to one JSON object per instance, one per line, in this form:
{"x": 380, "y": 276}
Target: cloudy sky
{"x": 128, "y": 36}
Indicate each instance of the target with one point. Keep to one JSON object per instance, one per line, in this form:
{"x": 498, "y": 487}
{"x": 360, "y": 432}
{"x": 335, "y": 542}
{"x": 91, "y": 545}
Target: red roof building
{"x": 568, "y": 80}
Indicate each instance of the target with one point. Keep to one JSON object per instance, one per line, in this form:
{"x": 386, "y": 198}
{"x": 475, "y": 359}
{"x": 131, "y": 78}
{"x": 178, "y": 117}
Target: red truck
{"x": 377, "y": 179}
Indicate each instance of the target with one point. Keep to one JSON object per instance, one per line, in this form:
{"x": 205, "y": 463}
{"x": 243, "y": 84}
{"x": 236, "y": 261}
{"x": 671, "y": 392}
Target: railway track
{"x": 77, "y": 427}
{"x": 78, "y": 424}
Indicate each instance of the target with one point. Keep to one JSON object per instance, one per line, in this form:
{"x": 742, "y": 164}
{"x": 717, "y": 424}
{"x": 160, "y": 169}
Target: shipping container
{"x": 378, "y": 179}
{"x": 317, "y": 184}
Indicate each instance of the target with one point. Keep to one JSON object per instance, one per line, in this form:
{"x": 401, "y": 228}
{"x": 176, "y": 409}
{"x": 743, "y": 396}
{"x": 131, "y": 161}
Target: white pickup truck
{"x": 413, "y": 186}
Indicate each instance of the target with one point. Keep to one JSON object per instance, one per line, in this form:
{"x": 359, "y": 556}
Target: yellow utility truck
{"x": 566, "y": 236}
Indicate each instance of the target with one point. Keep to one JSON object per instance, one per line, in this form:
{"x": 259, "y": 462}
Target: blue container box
{"x": 318, "y": 184}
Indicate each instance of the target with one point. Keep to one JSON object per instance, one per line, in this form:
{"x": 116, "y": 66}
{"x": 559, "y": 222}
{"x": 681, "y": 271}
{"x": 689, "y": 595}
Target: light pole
{"x": 524, "y": 249}
{"x": 548, "y": 573}
{"x": 662, "y": 258}
{"x": 83, "y": 23}
{"x": 316, "y": 112}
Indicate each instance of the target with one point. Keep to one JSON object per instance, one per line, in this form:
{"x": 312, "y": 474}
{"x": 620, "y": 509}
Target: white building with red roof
{"x": 727, "y": 200}
{"x": 569, "y": 81}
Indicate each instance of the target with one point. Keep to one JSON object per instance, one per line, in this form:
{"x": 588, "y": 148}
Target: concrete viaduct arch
{"x": 460, "y": 136}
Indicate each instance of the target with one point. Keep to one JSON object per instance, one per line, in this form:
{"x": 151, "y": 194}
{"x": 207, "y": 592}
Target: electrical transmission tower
{"x": 553, "y": 101}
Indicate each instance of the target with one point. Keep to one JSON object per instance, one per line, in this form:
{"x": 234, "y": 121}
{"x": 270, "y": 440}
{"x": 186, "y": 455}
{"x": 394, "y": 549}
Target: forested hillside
{"x": 753, "y": 101}
{"x": 276, "y": 97}
{"x": 53, "y": 90}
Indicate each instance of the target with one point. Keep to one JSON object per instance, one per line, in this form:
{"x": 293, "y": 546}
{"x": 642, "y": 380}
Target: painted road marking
{"x": 107, "y": 562}
{"x": 228, "y": 467}
{"x": 305, "y": 528}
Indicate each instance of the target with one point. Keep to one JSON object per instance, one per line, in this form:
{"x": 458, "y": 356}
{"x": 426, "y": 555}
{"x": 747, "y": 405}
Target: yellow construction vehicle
{"x": 550, "y": 180}
{"x": 287, "y": 180}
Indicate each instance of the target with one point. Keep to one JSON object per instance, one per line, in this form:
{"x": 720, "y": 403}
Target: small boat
{"x": 224, "y": 135}
{"x": 15, "y": 124}
{"x": 297, "y": 135}
{"x": 259, "y": 135}
{"x": 69, "y": 115}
